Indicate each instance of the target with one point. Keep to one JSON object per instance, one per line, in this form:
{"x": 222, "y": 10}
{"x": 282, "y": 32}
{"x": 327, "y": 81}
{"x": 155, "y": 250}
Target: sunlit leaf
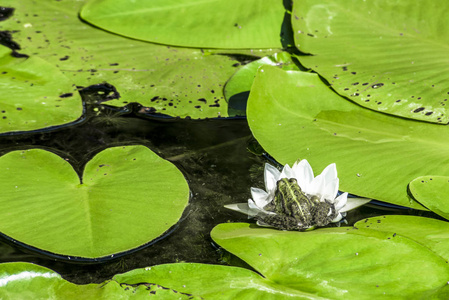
{"x": 126, "y": 197}
{"x": 237, "y": 88}
{"x": 433, "y": 193}
{"x": 338, "y": 263}
{"x": 430, "y": 233}
{"x": 167, "y": 80}
{"x": 28, "y": 281}
{"x": 389, "y": 56}
{"x": 212, "y": 282}
{"x": 192, "y": 23}
{"x": 295, "y": 115}
{"x": 34, "y": 95}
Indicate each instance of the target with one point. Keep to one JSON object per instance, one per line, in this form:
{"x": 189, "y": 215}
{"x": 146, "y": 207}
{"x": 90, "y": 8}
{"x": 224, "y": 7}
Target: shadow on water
{"x": 286, "y": 34}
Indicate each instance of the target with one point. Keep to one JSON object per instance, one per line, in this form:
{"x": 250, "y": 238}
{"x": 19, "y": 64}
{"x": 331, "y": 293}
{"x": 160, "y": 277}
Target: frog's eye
{"x": 293, "y": 180}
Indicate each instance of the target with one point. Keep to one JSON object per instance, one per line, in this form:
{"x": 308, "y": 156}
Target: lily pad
{"x": 29, "y": 281}
{"x": 430, "y": 233}
{"x": 237, "y": 88}
{"x": 167, "y": 80}
{"x": 389, "y": 56}
{"x": 35, "y": 95}
{"x": 433, "y": 193}
{"x": 338, "y": 263}
{"x": 187, "y": 23}
{"x": 212, "y": 282}
{"x": 332, "y": 263}
{"x": 168, "y": 281}
{"x": 294, "y": 115}
{"x": 126, "y": 197}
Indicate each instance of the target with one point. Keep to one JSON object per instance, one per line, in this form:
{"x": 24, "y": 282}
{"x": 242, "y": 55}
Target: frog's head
{"x": 285, "y": 183}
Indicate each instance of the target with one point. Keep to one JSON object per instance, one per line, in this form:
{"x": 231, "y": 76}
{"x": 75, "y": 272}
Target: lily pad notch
{"x": 128, "y": 198}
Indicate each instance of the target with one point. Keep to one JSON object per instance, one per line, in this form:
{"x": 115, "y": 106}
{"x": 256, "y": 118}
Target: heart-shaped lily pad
{"x": 127, "y": 197}
{"x": 34, "y": 94}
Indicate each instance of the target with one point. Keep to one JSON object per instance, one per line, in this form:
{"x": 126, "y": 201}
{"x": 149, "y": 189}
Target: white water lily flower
{"x": 324, "y": 187}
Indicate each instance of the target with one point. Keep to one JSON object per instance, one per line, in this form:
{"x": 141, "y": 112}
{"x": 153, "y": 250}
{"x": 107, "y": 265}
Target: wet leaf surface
{"x": 377, "y": 155}
{"x": 239, "y": 85}
{"x": 35, "y": 95}
{"x": 432, "y": 192}
{"x": 171, "y": 81}
{"x": 338, "y": 263}
{"x": 198, "y": 23}
{"x": 389, "y": 56}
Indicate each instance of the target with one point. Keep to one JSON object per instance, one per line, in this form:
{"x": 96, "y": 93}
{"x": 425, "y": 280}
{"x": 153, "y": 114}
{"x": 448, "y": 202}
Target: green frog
{"x": 295, "y": 210}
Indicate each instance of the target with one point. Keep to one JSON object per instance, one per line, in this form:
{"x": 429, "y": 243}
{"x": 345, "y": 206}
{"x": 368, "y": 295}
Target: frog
{"x": 294, "y": 210}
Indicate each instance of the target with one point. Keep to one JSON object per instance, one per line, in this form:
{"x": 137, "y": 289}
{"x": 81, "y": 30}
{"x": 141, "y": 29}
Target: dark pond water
{"x": 212, "y": 154}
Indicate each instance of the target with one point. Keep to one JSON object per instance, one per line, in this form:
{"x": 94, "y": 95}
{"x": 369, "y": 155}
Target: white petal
{"x": 260, "y": 197}
{"x": 329, "y": 173}
{"x": 262, "y": 224}
{"x": 271, "y": 177}
{"x": 354, "y": 203}
{"x": 287, "y": 172}
{"x": 303, "y": 174}
{"x": 242, "y": 208}
{"x": 340, "y": 201}
{"x": 337, "y": 218}
{"x": 330, "y": 181}
{"x": 256, "y": 210}
{"x": 317, "y": 187}
{"x": 330, "y": 189}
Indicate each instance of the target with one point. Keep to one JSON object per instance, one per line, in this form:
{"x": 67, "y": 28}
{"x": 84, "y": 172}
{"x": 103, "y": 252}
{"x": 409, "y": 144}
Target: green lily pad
{"x": 170, "y": 81}
{"x": 430, "y": 233}
{"x": 295, "y": 115}
{"x": 29, "y": 281}
{"x": 332, "y": 263}
{"x": 168, "y": 281}
{"x": 237, "y": 88}
{"x": 389, "y": 56}
{"x": 126, "y": 197}
{"x": 212, "y": 282}
{"x": 35, "y": 95}
{"x": 187, "y": 23}
{"x": 339, "y": 263}
{"x": 433, "y": 193}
